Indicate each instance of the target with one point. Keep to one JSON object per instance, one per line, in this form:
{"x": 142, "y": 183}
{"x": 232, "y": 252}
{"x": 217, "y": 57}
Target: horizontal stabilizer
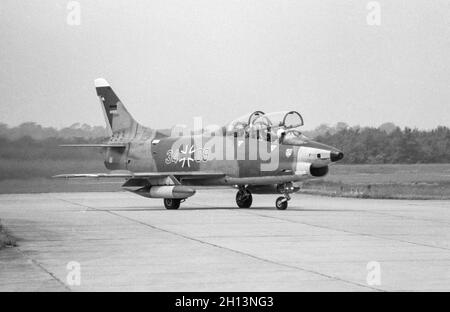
{"x": 120, "y": 145}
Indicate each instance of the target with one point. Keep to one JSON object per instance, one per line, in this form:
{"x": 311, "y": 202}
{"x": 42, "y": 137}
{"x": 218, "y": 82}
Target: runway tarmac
{"x": 123, "y": 242}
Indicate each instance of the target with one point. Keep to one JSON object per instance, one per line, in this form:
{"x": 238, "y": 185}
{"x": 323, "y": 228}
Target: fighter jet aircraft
{"x": 256, "y": 154}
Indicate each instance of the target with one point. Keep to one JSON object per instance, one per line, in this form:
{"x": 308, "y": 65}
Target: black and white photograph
{"x": 224, "y": 150}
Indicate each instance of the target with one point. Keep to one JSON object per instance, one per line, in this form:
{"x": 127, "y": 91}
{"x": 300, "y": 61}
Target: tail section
{"x": 118, "y": 119}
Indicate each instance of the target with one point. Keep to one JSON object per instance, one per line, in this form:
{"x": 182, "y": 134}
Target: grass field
{"x": 5, "y": 239}
{"x": 36, "y": 168}
{"x": 418, "y": 181}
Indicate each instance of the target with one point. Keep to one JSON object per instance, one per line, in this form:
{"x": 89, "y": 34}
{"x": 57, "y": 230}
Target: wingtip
{"x": 101, "y": 82}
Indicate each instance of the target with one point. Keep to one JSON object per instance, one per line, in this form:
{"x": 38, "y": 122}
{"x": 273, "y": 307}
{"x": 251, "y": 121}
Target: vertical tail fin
{"x": 118, "y": 119}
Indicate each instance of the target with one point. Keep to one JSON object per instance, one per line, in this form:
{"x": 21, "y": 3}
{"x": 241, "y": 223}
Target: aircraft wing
{"x": 139, "y": 179}
{"x": 143, "y": 175}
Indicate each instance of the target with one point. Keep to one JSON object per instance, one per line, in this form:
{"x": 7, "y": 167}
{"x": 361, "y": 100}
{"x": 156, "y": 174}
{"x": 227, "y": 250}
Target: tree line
{"x": 361, "y": 145}
{"x": 378, "y": 146}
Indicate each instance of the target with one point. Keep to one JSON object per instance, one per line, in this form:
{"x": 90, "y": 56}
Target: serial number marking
{"x": 190, "y": 153}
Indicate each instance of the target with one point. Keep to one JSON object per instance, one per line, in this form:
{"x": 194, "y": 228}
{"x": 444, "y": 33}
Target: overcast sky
{"x": 169, "y": 61}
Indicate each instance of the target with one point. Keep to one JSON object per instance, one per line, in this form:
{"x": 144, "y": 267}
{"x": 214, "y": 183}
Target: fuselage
{"x": 243, "y": 160}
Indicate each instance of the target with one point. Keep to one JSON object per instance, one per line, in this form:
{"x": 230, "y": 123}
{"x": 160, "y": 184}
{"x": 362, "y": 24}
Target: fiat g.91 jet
{"x": 257, "y": 153}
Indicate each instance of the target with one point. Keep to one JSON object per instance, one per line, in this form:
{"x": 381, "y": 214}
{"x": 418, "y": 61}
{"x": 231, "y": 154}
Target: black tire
{"x": 172, "y": 203}
{"x": 244, "y": 199}
{"x": 281, "y": 203}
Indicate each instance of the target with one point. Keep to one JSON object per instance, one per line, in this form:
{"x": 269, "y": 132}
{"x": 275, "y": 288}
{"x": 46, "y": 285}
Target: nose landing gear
{"x": 282, "y": 202}
{"x": 172, "y": 203}
{"x": 244, "y": 198}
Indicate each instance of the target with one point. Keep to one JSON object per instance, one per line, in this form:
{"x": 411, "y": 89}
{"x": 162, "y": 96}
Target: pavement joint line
{"x": 370, "y": 212}
{"x": 227, "y": 248}
{"x": 350, "y": 232}
{"x": 366, "y": 211}
{"x": 42, "y": 268}
{"x": 403, "y": 217}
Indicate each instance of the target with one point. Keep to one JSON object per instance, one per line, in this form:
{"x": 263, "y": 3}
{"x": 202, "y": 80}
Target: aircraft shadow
{"x": 269, "y": 208}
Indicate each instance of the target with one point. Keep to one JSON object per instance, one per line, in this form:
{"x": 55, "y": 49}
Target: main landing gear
{"x": 172, "y": 203}
{"x": 244, "y": 198}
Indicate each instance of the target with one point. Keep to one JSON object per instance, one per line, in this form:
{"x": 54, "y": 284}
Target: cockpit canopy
{"x": 283, "y": 126}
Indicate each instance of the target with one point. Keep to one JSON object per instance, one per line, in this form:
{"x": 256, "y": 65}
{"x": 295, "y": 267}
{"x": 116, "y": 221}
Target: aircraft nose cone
{"x": 336, "y": 156}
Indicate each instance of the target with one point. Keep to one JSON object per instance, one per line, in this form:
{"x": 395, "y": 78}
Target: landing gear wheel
{"x": 172, "y": 203}
{"x": 244, "y": 199}
{"x": 281, "y": 203}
